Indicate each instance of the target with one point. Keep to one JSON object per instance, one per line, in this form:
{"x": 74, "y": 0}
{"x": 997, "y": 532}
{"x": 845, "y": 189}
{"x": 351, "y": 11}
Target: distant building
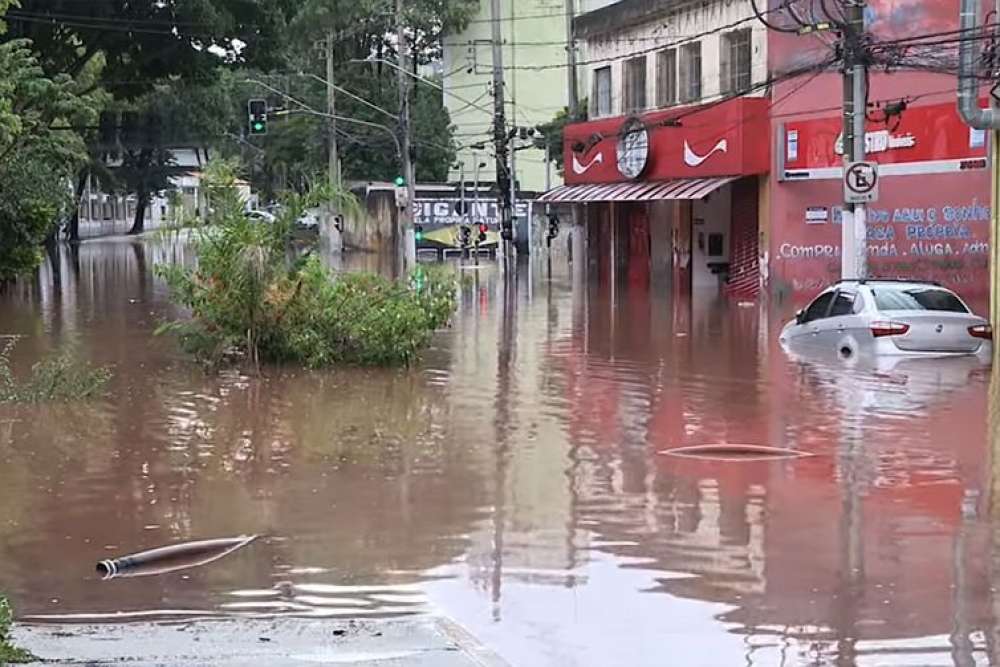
{"x": 534, "y": 58}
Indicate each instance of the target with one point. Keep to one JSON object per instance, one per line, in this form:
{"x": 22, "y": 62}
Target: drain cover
{"x": 734, "y": 452}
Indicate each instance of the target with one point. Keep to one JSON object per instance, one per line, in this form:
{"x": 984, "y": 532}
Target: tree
{"x": 135, "y": 49}
{"x": 35, "y": 154}
{"x": 174, "y": 114}
{"x": 361, "y": 29}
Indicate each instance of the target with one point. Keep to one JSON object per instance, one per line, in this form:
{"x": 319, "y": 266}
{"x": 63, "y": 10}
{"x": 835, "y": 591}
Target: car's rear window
{"x": 917, "y": 298}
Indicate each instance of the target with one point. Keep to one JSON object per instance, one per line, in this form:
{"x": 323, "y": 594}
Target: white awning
{"x": 683, "y": 188}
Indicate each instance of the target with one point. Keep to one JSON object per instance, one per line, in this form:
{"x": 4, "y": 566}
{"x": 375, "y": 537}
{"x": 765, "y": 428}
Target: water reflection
{"x": 514, "y": 480}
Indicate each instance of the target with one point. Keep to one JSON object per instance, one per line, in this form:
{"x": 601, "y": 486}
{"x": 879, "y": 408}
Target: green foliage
{"x": 364, "y": 27}
{"x": 247, "y": 300}
{"x": 9, "y": 654}
{"x": 61, "y": 377}
{"x": 34, "y": 156}
{"x": 551, "y": 138}
{"x": 294, "y": 153}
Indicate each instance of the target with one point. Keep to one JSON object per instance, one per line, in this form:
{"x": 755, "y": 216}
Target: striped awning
{"x": 683, "y": 188}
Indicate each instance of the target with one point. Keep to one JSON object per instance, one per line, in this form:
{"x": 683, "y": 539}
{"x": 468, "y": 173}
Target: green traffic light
{"x": 400, "y": 181}
{"x": 258, "y": 126}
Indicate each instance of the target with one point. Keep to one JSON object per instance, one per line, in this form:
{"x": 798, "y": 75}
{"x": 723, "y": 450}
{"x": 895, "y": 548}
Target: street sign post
{"x": 861, "y": 183}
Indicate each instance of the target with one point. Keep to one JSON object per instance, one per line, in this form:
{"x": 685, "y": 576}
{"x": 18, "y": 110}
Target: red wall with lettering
{"x": 903, "y": 242}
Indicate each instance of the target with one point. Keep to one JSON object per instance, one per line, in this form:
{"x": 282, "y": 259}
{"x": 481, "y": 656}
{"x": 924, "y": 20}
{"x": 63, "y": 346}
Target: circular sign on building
{"x": 633, "y": 148}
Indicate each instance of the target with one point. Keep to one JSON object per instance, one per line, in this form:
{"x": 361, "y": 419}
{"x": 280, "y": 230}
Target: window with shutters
{"x": 690, "y": 72}
{"x": 634, "y": 93}
{"x": 666, "y": 78}
{"x": 734, "y": 61}
{"x": 602, "y": 91}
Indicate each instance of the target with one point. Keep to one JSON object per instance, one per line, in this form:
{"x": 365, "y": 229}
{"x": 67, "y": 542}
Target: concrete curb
{"x": 422, "y": 641}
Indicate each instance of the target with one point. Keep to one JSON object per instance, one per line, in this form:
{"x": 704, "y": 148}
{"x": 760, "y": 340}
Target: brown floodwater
{"x": 518, "y": 479}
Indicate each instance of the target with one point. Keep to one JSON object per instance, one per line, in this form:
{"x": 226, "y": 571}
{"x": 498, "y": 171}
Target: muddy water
{"x": 515, "y": 480}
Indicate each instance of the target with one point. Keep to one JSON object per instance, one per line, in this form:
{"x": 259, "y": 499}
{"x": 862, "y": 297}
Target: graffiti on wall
{"x": 948, "y": 242}
{"x": 943, "y": 231}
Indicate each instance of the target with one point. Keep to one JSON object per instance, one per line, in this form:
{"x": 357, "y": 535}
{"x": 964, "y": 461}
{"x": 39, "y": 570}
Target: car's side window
{"x": 818, "y": 309}
{"x": 843, "y": 304}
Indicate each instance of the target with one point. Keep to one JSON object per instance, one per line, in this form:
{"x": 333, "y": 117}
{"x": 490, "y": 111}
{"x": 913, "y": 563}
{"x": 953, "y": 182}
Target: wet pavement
{"x": 514, "y": 481}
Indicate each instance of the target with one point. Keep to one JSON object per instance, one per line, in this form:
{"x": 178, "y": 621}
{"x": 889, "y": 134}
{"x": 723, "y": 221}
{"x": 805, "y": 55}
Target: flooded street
{"x": 514, "y": 480}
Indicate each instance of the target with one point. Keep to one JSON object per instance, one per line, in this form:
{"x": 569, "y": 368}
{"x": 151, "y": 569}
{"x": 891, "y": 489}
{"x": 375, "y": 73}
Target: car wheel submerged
{"x": 847, "y": 349}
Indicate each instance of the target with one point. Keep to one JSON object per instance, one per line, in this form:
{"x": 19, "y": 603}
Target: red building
{"x": 742, "y": 194}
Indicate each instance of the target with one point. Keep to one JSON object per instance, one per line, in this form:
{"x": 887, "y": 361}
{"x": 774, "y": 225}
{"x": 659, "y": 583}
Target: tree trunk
{"x": 74, "y": 221}
{"x": 139, "y": 225}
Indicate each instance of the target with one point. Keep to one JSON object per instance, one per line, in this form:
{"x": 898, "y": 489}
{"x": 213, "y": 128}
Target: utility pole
{"x": 854, "y": 232}
{"x": 500, "y": 135}
{"x": 407, "y": 235}
{"x": 573, "y": 93}
{"x": 331, "y": 103}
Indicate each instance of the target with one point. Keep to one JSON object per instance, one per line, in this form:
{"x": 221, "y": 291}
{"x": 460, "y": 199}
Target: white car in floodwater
{"x": 889, "y": 318}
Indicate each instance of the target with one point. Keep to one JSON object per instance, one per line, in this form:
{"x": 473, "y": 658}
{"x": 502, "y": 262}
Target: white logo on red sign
{"x": 692, "y": 159}
{"x": 580, "y": 169}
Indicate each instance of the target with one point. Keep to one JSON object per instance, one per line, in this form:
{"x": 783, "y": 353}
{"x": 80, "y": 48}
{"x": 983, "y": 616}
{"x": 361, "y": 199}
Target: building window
{"x": 734, "y": 61}
{"x": 666, "y": 78}
{"x": 602, "y": 91}
{"x": 635, "y": 84}
{"x": 690, "y": 72}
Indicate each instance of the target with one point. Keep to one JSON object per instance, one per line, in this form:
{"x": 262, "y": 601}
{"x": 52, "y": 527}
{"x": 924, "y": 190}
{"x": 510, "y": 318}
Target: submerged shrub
{"x": 247, "y": 299}
{"x": 60, "y": 377}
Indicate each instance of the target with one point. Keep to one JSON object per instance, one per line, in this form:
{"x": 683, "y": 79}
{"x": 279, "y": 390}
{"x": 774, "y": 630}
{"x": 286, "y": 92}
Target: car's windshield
{"x": 899, "y": 297}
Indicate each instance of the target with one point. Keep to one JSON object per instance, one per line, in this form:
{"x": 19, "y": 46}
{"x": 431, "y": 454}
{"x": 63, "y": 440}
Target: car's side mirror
{"x": 800, "y": 317}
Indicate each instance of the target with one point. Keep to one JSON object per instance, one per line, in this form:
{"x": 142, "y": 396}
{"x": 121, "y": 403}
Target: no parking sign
{"x": 861, "y": 183}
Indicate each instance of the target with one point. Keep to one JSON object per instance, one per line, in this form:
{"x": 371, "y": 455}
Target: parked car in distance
{"x": 889, "y": 317}
{"x": 308, "y": 221}
{"x": 260, "y": 216}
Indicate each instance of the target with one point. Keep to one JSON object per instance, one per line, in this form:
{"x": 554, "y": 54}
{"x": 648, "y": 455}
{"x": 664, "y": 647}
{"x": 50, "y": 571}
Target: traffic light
{"x": 257, "y": 111}
{"x": 466, "y": 236}
{"x": 400, "y": 182}
{"x": 418, "y": 232}
{"x": 482, "y": 232}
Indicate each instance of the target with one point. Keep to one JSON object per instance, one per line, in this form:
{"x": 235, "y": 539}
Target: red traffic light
{"x": 483, "y": 228}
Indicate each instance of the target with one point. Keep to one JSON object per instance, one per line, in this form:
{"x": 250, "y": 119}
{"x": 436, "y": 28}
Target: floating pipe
{"x": 171, "y": 558}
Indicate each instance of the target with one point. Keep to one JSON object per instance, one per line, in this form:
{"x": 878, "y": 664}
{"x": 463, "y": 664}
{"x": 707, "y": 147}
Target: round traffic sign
{"x": 861, "y": 177}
